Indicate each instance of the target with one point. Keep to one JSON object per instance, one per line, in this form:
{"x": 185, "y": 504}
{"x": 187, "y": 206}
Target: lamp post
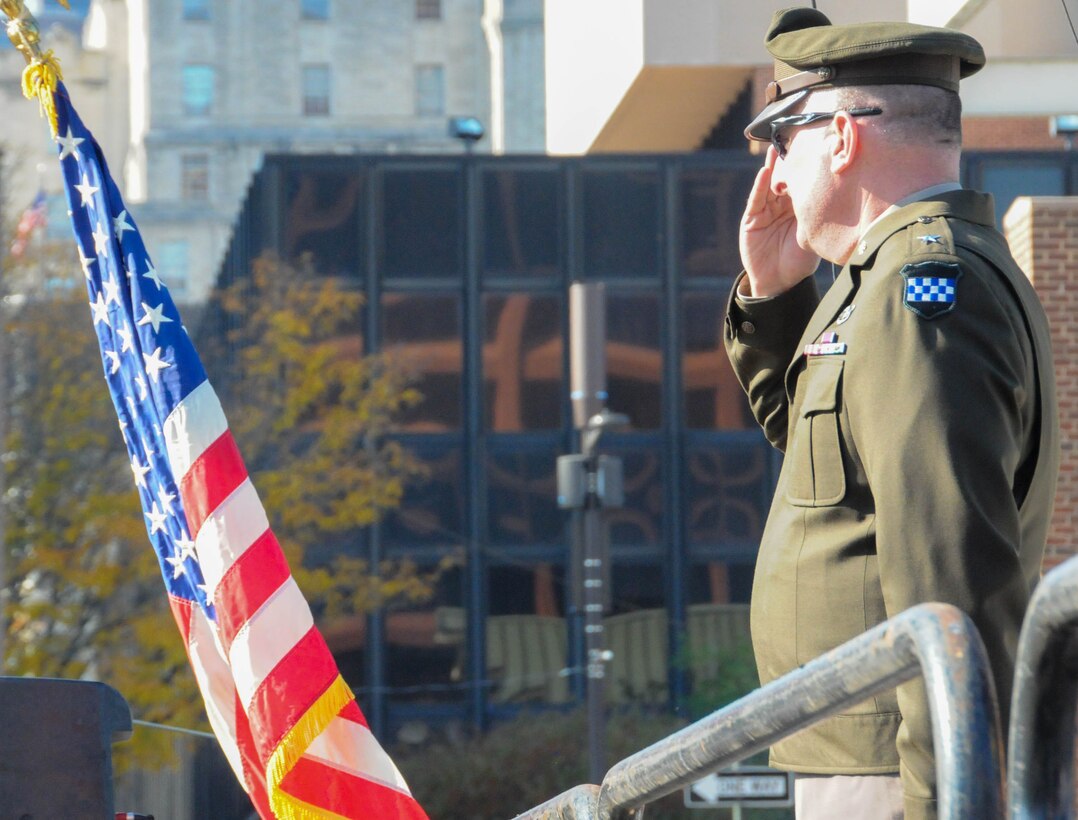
{"x": 469, "y": 130}
{"x": 589, "y": 484}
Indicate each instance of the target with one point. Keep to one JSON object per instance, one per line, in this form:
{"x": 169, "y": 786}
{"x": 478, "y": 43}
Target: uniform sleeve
{"x": 761, "y": 338}
{"x": 940, "y": 410}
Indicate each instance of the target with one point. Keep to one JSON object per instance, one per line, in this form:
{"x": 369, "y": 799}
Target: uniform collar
{"x": 971, "y": 206}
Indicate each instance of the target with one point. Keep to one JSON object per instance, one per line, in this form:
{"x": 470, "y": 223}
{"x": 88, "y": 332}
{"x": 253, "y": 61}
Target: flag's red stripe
{"x": 181, "y": 613}
{"x": 352, "y": 712}
{"x": 302, "y": 676}
{"x": 254, "y": 767}
{"x": 247, "y": 584}
{"x": 213, "y": 476}
{"x": 348, "y": 795}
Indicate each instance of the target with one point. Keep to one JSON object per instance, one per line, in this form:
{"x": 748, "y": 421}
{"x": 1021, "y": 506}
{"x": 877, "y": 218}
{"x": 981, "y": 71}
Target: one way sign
{"x": 756, "y": 786}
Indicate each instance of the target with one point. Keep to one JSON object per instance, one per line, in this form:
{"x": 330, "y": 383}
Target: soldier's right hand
{"x": 774, "y": 261}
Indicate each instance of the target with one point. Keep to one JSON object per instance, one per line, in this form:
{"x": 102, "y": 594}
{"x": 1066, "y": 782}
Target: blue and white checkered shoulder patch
{"x": 931, "y": 288}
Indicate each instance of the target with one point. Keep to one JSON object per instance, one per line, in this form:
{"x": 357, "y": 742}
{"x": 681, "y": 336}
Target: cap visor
{"x": 760, "y": 128}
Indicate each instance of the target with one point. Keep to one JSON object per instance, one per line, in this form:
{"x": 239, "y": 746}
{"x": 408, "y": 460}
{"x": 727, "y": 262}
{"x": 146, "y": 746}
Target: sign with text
{"x": 756, "y": 786}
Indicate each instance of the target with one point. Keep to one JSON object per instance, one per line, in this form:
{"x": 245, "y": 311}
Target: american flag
{"x": 35, "y": 216}
{"x": 286, "y": 720}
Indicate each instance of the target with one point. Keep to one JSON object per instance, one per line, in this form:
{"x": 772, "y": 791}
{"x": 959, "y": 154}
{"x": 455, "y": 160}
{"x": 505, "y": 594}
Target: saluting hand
{"x": 774, "y": 261}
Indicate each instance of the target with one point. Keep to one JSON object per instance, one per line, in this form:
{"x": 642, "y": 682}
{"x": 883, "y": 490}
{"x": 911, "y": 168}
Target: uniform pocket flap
{"x": 821, "y": 389}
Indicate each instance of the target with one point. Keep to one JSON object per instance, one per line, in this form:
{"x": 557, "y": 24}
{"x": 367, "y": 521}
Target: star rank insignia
{"x": 931, "y": 288}
{"x": 931, "y": 239}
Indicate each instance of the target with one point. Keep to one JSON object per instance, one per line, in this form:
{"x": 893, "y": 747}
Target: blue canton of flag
{"x": 149, "y": 361}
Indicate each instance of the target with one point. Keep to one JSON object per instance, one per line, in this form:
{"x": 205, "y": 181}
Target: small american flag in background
{"x": 285, "y": 719}
{"x": 35, "y": 216}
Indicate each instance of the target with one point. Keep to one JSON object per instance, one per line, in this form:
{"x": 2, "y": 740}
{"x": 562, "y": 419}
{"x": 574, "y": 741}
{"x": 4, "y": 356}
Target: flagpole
{"x": 22, "y": 28}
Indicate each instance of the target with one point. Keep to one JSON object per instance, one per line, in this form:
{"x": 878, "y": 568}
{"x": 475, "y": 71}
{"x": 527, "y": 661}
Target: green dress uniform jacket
{"x": 915, "y": 404}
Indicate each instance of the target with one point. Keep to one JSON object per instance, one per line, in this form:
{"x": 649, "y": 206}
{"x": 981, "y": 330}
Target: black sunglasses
{"x": 798, "y": 120}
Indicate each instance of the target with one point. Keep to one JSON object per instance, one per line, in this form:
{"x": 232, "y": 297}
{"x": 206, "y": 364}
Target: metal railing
{"x": 937, "y": 641}
{"x": 1040, "y": 777}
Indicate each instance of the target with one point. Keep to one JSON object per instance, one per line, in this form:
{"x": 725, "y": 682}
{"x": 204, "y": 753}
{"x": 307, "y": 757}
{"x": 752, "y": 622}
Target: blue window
{"x": 196, "y": 9}
{"x": 316, "y": 88}
{"x": 198, "y": 89}
{"x": 314, "y": 9}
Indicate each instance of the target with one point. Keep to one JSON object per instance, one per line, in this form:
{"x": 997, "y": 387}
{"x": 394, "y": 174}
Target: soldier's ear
{"x": 845, "y": 142}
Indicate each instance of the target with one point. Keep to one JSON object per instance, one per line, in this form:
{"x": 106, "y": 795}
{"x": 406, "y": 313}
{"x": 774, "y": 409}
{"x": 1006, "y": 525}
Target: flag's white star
{"x": 86, "y": 190}
{"x": 123, "y": 430}
{"x": 142, "y": 391}
{"x": 151, "y": 274}
{"x": 114, "y": 358}
{"x": 86, "y": 261}
{"x": 140, "y": 472}
{"x": 146, "y": 446}
{"x": 178, "y": 568}
{"x": 157, "y": 519}
{"x": 126, "y": 334}
{"x": 132, "y": 405}
{"x": 101, "y": 240}
{"x": 154, "y": 364}
{"x": 205, "y": 589}
{"x": 120, "y": 225}
{"x": 101, "y": 311}
{"x": 154, "y": 316}
{"x": 186, "y": 546}
{"x": 112, "y": 290}
{"x": 69, "y": 145}
{"x": 166, "y": 499}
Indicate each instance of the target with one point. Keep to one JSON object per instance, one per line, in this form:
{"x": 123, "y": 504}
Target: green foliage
{"x": 720, "y": 675}
{"x": 524, "y": 762}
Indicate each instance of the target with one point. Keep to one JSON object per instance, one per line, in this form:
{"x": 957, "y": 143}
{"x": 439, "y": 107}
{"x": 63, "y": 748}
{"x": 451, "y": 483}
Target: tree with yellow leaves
{"x": 311, "y": 413}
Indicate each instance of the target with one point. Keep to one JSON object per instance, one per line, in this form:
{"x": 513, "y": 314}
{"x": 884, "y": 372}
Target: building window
{"x": 172, "y": 266}
{"x": 314, "y": 9}
{"x": 195, "y": 177}
{"x": 196, "y": 9}
{"x": 429, "y": 90}
{"x": 316, "y": 86}
{"x": 428, "y": 9}
{"x": 198, "y": 90}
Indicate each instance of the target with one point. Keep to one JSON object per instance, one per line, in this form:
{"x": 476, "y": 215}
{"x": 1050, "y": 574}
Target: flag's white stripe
{"x": 350, "y": 747}
{"x": 229, "y": 532}
{"x": 215, "y": 682}
{"x": 193, "y": 425}
{"x": 267, "y": 637}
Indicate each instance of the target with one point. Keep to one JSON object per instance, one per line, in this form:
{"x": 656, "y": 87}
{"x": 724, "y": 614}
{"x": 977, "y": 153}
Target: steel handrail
{"x": 935, "y": 640}
{"x": 1040, "y": 775}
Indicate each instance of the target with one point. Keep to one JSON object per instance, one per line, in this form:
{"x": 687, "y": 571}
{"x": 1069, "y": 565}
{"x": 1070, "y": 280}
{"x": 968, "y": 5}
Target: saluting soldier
{"x": 914, "y": 402}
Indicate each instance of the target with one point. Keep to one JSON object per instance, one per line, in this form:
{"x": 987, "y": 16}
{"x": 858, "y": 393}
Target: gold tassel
{"x": 291, "y": 749}
{"x": 40, "y": 79}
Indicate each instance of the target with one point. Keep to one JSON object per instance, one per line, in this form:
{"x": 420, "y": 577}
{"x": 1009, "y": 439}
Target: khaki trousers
{"x": 848, "y": 797}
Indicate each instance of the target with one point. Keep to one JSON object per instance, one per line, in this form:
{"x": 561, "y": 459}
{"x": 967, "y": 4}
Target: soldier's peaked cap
{"x": 811, "y": 53}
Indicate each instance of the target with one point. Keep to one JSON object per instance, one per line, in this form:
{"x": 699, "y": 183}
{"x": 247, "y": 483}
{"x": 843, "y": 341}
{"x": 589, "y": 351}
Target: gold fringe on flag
{"x": 42, "y": 73}
{"x": 294, "y": 744}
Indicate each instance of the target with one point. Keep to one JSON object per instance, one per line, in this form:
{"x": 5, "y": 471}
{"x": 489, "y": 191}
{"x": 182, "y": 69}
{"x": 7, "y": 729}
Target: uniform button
{"x": 924, "y": 220}
{"x": 863, "y": 248}
{"x": 748, "y": 327}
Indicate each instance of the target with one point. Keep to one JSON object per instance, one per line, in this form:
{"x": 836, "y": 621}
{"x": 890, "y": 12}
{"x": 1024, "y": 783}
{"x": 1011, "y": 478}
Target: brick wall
{"x": 1043, "y": 235}
{"x": 1009, "y": 134}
